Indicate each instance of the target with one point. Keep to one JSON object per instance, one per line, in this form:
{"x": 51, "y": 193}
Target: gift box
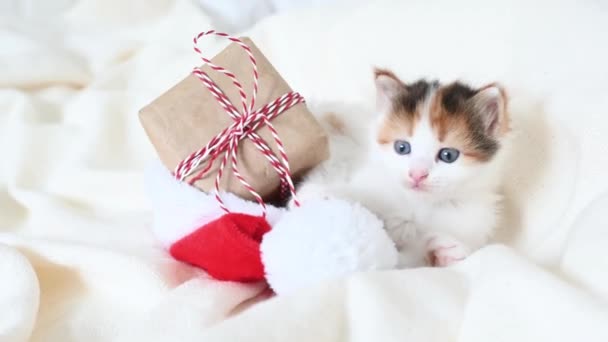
{"x": 188, "y": 116}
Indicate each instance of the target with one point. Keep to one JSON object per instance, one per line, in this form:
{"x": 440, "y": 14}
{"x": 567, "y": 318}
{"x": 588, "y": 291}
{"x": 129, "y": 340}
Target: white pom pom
{"x": 324, "y": 240}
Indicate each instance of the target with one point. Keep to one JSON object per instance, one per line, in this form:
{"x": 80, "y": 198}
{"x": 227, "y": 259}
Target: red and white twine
{"x": 244, "y": 126}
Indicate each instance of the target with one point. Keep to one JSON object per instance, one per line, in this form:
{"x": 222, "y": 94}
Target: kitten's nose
{"x": 419, "y": 175}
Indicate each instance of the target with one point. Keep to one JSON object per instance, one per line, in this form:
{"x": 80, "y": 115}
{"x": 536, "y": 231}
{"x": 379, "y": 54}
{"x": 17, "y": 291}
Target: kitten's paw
{"x": 444, "y": 251}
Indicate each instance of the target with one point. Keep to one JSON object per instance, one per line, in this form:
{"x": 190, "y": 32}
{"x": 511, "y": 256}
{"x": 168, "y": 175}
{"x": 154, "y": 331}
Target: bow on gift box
{"x": 228, "y": 248}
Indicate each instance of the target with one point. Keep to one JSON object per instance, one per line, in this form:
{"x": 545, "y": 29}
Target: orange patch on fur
{"x": 400, "y": 121}
{"x": 474, "y": 156}
{"x": 393, "y": 128}
{"x": 447, "y": 126}
{"x": 453, "y": 129}
{"x": 456, "y": 135}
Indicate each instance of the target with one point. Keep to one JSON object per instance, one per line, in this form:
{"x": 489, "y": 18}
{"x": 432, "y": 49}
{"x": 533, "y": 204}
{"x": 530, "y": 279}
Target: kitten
{"x": 429, "y": 166}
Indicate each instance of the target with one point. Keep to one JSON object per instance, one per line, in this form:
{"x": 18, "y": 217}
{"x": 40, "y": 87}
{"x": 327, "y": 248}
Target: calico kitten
{"x": 430, "y": 166}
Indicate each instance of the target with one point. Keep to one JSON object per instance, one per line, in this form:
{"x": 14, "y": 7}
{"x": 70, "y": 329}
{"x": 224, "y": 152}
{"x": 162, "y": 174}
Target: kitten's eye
{"x": 448, "y": 155}
{"x": 402, "y": 147}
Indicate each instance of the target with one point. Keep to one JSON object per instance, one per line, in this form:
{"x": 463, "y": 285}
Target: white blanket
{"x": 78, "y": 261}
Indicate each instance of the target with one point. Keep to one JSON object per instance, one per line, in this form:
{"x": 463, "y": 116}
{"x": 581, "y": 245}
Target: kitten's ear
{"x": 388, "y": 86}
{"x": 490, "y": 103}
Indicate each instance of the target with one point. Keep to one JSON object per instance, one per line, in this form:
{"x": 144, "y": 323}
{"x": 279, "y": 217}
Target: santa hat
{"x": 291, "y": 249}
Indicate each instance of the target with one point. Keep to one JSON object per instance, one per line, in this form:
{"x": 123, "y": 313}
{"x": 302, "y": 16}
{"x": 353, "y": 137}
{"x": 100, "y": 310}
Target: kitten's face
{"x": 438, "y": 138}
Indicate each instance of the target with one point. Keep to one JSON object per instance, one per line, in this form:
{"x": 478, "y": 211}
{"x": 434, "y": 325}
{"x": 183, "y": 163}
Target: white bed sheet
{"x": 78, "y": 261}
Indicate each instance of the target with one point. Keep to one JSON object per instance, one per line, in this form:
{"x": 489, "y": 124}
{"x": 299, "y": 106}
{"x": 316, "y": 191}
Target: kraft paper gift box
{"x": 187, "y": 116}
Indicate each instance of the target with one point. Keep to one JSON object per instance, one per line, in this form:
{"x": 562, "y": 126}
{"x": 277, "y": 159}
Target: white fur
{"x": 460, "y": 204}
{"x": 323, "y": 240}
{"x": 179, "y": 209}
